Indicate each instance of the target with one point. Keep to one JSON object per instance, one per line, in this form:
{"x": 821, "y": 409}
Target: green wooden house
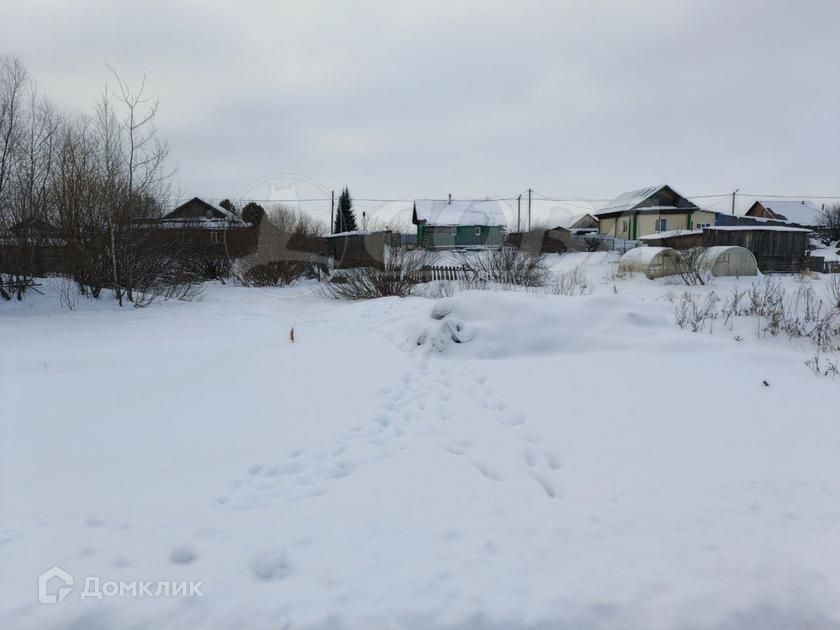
{"x": 448, "y": 224}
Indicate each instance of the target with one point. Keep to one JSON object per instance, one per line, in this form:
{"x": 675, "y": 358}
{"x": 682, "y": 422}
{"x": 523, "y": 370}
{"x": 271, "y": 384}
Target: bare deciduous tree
{"x": 80, "y": 195}
{"x": 829, "y": 219}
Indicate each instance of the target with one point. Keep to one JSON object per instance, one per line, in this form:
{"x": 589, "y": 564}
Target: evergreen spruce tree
{"x": 345, "y": 218}
{"x": 227, "y": 204}
{"x": 253, "y": 213}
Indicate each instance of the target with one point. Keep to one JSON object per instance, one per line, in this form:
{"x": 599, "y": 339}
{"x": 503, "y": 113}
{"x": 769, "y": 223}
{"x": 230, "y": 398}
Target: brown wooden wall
{"x": 774, "y": 250}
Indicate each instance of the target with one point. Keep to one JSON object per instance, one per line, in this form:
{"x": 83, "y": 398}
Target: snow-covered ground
{"x": 492, "y": 460}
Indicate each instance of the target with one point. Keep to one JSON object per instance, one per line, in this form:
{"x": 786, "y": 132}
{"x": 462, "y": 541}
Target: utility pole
{"x": 332, "y": 212}
{"x": 519, "y": 213}
{"x": 529, "y": 209}
{"x": 733, "y": 199}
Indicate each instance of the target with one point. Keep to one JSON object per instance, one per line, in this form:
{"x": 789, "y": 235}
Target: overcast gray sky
{"x": 405, "y": 99}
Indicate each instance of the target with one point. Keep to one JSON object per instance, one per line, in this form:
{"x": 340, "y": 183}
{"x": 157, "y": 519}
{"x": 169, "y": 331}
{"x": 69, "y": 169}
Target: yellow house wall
{"x": 701, "y": 216}
{"x": 647, "y": 223}
{"x": 606, "y": 226}
{"x": 621, "y": 227}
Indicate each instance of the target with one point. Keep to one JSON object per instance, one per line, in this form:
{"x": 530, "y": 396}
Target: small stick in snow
{"x": 766, "y": 384}
{"x": 292, "y": 335}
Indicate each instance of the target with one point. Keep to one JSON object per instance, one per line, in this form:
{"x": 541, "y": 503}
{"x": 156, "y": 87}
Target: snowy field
{"x": 573, "y": 462}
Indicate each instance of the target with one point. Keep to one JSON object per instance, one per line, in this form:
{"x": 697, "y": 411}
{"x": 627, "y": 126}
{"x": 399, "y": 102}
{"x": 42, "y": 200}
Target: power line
{"x": 558, "y": 199}
{"x": 790, "y": 196}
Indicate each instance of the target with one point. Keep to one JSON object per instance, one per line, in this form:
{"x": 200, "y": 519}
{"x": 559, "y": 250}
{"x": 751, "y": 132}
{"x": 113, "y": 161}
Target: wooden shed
{"x": 676, "y": 239}
{"x": 776, "y": 248}
{"x": 554, "y": 241}
{"x": 360, "y": 249}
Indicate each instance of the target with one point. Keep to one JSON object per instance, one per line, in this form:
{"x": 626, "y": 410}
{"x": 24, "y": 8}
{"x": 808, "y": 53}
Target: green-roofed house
{"x": 450, "y": 224}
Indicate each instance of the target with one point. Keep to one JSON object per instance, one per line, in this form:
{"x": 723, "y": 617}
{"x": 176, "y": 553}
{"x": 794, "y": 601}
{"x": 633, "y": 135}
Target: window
{"x": 454, "y": 231}
{"x": 662, "y": 225}
{"x": 700, "y": 226}
{"x": 217, "y": 237}
{"x": 478, "y": 231}
{"x": 624, "y": 225}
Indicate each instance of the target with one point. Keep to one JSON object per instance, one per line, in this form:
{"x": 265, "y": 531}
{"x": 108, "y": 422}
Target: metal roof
{"x": 459, "y": 212}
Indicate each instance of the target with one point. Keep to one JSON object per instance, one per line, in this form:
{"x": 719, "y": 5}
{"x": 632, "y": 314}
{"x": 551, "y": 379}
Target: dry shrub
{"x": 690, "y": 268}
{"x": 398, "y": 277}
{"x": 691, "y": 312}
{"x": 572, "y": 282}
{"x": 507, "y": 265}
{"x": 832, "y": 289}
{"x": 276, "y": 273}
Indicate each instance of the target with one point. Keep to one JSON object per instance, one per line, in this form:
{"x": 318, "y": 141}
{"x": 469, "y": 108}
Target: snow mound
{"x": 498, "y": 324}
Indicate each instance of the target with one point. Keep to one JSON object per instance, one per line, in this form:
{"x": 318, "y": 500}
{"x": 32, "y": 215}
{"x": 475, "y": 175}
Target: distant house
{"x": 447, "y": 224}
{"x": 638, "y": 213}
{"x": 574, "y": 222}
{"x": 202, "y": 223}
{"x": 792, "y": 211}
{"x": 200, "y": 214}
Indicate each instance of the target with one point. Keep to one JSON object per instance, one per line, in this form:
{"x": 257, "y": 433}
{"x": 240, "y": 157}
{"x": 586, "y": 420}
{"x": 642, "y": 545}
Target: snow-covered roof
{"x": 566, "y": 217}
{"x": 800, "y": 211}
{"x": 455, "y": 212}
{"x": 767, "y": 228}
{"x": 629, "y": 200}
{"x": 227, "y": 215}
{"x": 668, "y": 234}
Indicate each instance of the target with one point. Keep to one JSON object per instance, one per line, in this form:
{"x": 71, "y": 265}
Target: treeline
{"x": 89, "y": 184}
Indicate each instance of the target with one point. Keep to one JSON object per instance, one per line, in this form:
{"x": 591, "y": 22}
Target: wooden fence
{"x": 433, "y": 273}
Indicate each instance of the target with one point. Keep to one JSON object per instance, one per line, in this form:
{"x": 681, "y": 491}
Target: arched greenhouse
{"x": 654, "y": 262}
{"x": 728, "y": 260}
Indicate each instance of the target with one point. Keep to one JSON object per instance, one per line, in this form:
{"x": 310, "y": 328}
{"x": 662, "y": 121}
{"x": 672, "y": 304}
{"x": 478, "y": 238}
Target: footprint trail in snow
{"x": 447, "y": 405}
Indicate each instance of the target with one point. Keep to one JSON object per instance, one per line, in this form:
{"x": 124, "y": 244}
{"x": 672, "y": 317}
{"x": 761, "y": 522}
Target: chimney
{"x": 450, "y": 199}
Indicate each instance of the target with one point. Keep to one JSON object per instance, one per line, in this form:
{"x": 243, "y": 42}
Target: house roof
{"x": 632, "y": 200}
{"x": 459, "y": 212}
{"x": 214, "y": 216}
{"x": 567, "y": 217}
{"x": 800, "y": 211}
{"x": 756, "y": 228}
{"x": 215, "y": 209}
{"x": 669, "y": 234}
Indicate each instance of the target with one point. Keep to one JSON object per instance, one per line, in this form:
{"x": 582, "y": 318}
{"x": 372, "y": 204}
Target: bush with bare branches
{"x": 296, "y": 222}
{"x": 507, "y": 265}
{"x": 829, "y": 220}
{"x": 690, "y": 268}
{"x": 572, "y": 282}
{"x": 398, "y": 277}
{"x": 832, "y": 289}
